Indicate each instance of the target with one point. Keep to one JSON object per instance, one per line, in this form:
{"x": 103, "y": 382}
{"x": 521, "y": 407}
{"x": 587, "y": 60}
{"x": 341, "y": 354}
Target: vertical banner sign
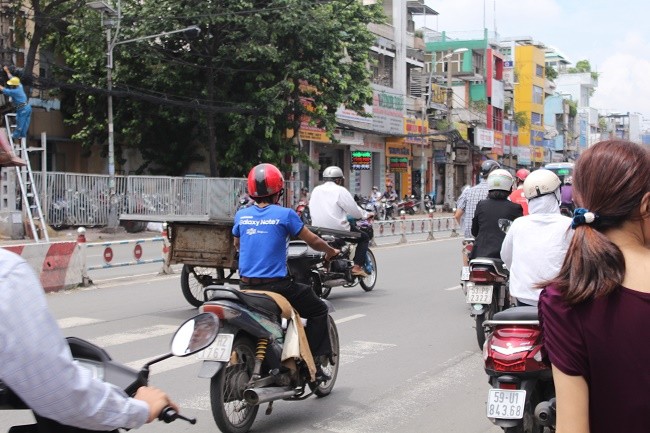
{"x": 361, "y": 160}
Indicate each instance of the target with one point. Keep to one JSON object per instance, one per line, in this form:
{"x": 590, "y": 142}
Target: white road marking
{"x": 453, "y": 288}
{"x": 347, "y": 319}
{"x": 166, "y": 365}
{"x": 397, "y": 406}
{"x": 71, "y": 322}
{"x": 360, "y": 349}
{"x": 136, "y": 335}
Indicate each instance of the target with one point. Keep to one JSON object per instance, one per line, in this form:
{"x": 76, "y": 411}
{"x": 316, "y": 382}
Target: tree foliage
{"x": 257, "y": 69}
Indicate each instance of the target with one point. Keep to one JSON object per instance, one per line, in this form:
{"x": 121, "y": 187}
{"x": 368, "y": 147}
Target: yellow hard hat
{"x": 14, "y": 81}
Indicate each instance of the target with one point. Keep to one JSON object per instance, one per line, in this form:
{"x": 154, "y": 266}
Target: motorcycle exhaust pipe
{"x": 545, "y": 413}
{"x": 255, "y": 396}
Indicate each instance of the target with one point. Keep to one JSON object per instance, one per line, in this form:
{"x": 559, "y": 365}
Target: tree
{"x": 258, "y": 69}
{"x": 583, "y": 66}
{"x": 551, "y": 73}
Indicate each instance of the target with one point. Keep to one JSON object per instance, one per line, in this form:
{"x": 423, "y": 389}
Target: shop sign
{"x": 484, "y": 138}
{"x": 397, "y": 148}
{"x": 498, "y": 143}
{"x": 538, "y": 154}
{"x": 361, "y": 160}
{"x": 438, "y": 95}
{"x": 388, "y": 112}
{"x": 414, "y": 129}
{"x": 313, "y": 133}
{"x": 440, "y": 156}
{"x": 398, "y": 164}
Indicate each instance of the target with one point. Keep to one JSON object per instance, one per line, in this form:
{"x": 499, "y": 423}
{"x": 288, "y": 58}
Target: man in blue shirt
{"x": 261, "y": 236}
{"x": 23, "y": 109}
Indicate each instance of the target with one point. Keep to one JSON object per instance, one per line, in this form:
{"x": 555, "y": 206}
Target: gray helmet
{"x": 541, "y": 182}
{"x": 488, "y": 166}
{"x": 333, "y": 172}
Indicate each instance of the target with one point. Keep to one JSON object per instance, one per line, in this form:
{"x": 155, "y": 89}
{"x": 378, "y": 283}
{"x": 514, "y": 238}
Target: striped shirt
{"x": 468, "y": 201}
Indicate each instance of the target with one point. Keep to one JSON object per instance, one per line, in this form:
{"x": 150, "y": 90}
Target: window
{"x": 538, "y": 95}
{"x": 536, "y": 119}
{"x": 539, "y": 71}
{"x": 382, "y": 69}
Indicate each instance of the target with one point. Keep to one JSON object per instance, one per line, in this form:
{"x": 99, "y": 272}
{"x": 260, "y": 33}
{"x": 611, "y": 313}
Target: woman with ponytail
{"x": 595, "y": 314}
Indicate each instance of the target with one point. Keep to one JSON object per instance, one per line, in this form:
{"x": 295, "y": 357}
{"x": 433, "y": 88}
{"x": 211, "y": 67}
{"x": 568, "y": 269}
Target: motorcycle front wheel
{"x": 332, "y": 370}
{"x": 368, "y": 283}
{"x": 229, "y": 409}
{"x": 195, "y": 278}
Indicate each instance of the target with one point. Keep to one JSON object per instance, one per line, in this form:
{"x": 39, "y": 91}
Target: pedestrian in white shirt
{"x": 535, "y": 245}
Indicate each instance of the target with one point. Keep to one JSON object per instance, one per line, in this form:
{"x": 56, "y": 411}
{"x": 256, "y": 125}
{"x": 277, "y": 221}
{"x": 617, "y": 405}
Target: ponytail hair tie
{"x": 582, "y": 216}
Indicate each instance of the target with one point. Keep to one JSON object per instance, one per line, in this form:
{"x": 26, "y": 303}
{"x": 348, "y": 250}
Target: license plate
{"x": 506, "y": 404}
{"x": 219, "y": 350}
{"x": 464, "y": 273}
{"x": 478, "y": 294}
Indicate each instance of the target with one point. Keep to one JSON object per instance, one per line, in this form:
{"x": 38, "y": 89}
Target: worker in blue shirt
{"x": 23, "y": 110}
{"x": 261, "y": 233}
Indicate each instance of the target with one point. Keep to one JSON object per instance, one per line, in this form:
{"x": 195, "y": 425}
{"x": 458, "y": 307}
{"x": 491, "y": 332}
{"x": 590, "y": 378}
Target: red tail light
{"x": 484, "y": 276}
{"x": 514, "y": 348}
{"x": 221, "y": 311}
{"x": 507, "y": 385}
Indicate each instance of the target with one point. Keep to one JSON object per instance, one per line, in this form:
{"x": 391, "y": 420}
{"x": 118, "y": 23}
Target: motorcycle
{"x": 244, "y": 365}
{"x": 311, "y": 268}
{"x": 468, "y": 244}
{"x": 522, "y": 397}
{"x": 409, "y": 206}
{"x": 486, "y": 290}
{"x": 187, "y": 340}
{"x": 302, "y": 209}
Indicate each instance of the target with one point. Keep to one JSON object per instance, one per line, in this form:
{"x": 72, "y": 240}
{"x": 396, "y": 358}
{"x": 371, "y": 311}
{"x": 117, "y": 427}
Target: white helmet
{"x": 541, "y": 182}
{"x": 333, "y": 172}
{"x": 500, "y": 179}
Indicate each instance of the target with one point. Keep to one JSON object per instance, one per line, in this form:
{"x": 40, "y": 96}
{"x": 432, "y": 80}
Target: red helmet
{"x": 264, "y": 180}
{"x": 522, "y": 174}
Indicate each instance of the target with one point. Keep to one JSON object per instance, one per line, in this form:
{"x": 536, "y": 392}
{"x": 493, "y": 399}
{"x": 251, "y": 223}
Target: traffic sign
{"x": 108, "y": 254}
{"x": 137, "y": 252}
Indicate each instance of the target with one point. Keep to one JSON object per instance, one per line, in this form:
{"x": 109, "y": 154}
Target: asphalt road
{"x": 409, "y": 358}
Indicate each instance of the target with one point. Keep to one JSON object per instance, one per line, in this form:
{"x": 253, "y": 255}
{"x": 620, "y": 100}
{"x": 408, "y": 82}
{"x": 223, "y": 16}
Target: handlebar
{"x": 168, "y": 414}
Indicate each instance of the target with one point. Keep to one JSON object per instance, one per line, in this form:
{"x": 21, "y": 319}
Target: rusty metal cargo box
{"x": 203, "y": 244}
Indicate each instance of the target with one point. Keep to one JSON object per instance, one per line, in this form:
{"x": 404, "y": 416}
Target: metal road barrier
{"x": 108, "y": 254}
{"x": 412, "y": 226}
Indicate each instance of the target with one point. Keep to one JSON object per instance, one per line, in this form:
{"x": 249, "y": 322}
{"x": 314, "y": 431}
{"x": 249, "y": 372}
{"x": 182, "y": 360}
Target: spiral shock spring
{"x": 262, "y": 344}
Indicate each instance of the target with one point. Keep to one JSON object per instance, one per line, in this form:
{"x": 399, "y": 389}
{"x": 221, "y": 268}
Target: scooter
{"x": 522, "y": 397}
{"x": 252, "y": 362}
{"x": 302, "y": 209}
{"x": 486, "y": 290}
{"x": 194, "y": 335}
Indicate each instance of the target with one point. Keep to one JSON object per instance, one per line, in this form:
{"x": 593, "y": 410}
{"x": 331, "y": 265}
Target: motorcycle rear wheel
{"x": 481, "y": 334}
{"x": 325, "y": 388}
{"x": 194, "y": 279}
{"x": 368, "y": 283}
{"x": 229, "y": 409}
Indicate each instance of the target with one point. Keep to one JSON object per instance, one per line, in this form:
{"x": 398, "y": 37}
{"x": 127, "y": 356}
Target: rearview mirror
{"x": 195, "y": 334}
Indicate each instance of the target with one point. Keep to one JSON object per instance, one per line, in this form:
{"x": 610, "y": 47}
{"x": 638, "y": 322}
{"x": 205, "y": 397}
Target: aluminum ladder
{"x": 30, "y": 202}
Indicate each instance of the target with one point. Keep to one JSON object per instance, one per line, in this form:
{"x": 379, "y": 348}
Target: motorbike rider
{"x": 485, "y": 224}
{"x": 261, "y": 233}
{"x": 518, "y": 196}
{"x": 469, "y": 198}
{"x": 36, "y": 364}
{"x": 567, "y": 193}
{"x": 331, "y": 204}
{"x": 535, "y": 245}
{"x": 391, "y": 198}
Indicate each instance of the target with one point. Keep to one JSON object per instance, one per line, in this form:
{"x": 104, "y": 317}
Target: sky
{"x": 613, "y": 35}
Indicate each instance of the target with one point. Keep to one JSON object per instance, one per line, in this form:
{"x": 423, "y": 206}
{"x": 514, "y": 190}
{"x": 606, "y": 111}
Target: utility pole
{"x": 450, "y": 169}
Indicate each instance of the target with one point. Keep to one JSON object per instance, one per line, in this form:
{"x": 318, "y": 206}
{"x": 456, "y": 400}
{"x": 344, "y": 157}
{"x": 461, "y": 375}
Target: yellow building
{"x": 529, "y": 96}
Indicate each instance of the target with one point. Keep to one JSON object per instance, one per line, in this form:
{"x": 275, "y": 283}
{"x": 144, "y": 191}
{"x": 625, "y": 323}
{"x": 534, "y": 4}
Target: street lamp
{"x": 425, "y": 122}
{"x": 111, "y": 18}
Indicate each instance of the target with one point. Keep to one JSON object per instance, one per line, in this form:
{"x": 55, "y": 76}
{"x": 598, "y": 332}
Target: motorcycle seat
{"x": 497, "y": 264}
{"x": 517, "y": 313}
{"x": 256, "y": 301}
